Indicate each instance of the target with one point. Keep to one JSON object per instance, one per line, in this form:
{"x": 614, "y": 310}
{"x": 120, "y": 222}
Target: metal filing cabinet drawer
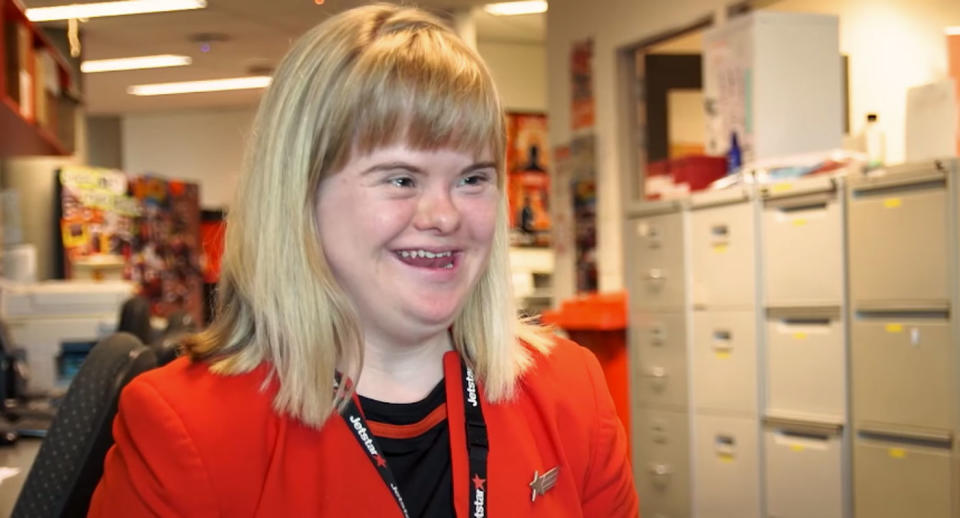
{"x": 722, "y": 255}
{"x": 724, "y": 362}
{"x": 896, "y": 480}
{"x": 902, "y": 373}
{"x": 726, "y": 467}
{"x": 662, "y": 441}
{"x": 660, "y": 370}
{"x": 803, "y": 248}
{"x": 898, "y": 243}
{"x": 655, "y": 249}
{"x": 804, "y": 472}
{"x": 806, "y": 364}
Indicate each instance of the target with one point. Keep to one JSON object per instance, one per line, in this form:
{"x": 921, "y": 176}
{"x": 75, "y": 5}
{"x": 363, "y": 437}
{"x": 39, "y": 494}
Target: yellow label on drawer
{"x": 894, "y": 328}
{"x": 725, "y": 457}
{"x": 800, "y": 336}
{"x": 719, "y": 249}
{"x": 892, "y": 203}
{"x": 723, "y": 355}
{"x": 897, "y": 453}
{"x": 799, "y": 222}
{"x": 797, "y": 447}
{"x": 781, "y": 187}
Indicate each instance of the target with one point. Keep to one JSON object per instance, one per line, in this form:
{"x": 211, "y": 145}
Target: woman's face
{"x": 406, "y": 234}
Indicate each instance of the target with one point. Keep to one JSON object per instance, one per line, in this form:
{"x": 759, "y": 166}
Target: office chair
{"x": 135, "y": 319}
{"x": 70, "y": 461}
{"x": 167, "y": 345}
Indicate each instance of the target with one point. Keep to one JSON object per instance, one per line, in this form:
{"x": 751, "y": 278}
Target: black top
{"x": 416, "y": 444}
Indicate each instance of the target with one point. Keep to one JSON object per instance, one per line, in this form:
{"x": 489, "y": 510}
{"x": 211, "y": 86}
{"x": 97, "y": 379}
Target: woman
{"x": 366, "y": 359}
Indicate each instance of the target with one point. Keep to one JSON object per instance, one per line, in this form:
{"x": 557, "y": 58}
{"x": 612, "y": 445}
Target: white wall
{"x": 892, "y": 44}
{"x": 520, "y": 72}
{"x": 204, "y": 146}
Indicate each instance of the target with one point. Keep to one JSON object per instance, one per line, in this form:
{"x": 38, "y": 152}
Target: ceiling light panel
{"x": 516, "y": 8}
{"x": 212, "y": 85}
{"x": 134, "y": 63}
{"x": 101, "y": 9}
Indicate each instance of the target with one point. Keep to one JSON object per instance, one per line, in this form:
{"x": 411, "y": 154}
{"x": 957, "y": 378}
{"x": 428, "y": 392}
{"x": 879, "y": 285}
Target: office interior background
{"x": 747, "y": 210}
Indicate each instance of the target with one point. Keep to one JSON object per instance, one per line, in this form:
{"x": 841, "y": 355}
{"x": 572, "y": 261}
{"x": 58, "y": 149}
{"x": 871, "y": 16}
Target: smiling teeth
{"x": 424, "y": 253}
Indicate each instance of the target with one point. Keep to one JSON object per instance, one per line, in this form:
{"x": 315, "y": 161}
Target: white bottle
{"x": 874, "y": 142}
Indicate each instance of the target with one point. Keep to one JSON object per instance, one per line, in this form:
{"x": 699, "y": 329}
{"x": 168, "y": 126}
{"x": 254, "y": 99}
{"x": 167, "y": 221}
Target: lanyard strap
{"x": 477, "y": 445}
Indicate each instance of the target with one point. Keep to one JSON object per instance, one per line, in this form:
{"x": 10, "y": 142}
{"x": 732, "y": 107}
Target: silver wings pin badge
{"x": 543, "y": 483}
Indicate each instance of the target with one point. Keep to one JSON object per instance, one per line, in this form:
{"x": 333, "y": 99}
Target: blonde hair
{"x": 362, "y": 79}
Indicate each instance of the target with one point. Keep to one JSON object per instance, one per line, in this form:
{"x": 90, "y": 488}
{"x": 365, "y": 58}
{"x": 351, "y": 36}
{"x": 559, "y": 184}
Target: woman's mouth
{"x": 421, "y": 258}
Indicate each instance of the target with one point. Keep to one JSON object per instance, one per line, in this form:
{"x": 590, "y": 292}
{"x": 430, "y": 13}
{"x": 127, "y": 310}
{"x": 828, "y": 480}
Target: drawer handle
{"x": 658, "y": 335}
{"x": 660, "y": 470}
{"x": 655, "y": 274}
{"x": 657, "y": 373}
{"x": 720, "y": 230}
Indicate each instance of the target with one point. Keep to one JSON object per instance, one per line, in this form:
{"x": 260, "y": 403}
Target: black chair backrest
{"x": 70, "y": 461}
{"x": 135, "y": 319}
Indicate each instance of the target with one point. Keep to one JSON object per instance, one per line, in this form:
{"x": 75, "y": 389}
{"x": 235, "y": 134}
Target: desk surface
{"x": 20, "y": 456}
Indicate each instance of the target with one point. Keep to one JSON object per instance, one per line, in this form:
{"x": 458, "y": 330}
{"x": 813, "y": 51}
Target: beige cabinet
{"x": 722, "y": 255}
{"x": 659, "y": 363}
{"x": 898, "y": 241}
{"x": 896, "y": 480}
{"x": 662, "y": 465}
{"x": 806, "y": 364}
{"x": 804, "y": 471}
{"x": 803, "y": 244}
{"x": 654, "y": 252}
{"x": 903, "y": 373}
{"x": 724, "y": 361}
{"x": 726, "y": 467}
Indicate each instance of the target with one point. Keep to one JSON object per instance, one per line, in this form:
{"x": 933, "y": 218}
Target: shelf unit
{"x": 38, "y": 98}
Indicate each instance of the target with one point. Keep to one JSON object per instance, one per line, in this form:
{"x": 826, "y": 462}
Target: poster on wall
{"x": 953, "y": 58}
{"x": 141, "y": 229}
{"x": 97, "y": 221}
{"x": 583, "y": 188}
{"x": 582, "y": 111}
{"x": 165, "y": 259}
{"x": 528, "y": 180}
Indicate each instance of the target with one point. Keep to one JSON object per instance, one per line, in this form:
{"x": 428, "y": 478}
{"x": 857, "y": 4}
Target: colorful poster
{"x": 97, "y": 216}
{"x": 582, "y": 111}
{"x": 583, "y": 189}
{"x": 166, "y": 253}
{"x": 528, "y": 180}
{"x": 142, "y": 229}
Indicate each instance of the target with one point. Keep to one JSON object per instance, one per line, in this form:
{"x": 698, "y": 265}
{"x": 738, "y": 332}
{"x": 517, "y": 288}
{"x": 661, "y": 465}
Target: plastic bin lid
{"x": 593, "y": 312}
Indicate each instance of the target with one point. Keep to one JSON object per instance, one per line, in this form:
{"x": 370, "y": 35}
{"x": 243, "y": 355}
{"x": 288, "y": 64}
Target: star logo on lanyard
{"x": 478, "y": 482}
{"x": 543, "y": 483}
{"x": 380, "y": 461}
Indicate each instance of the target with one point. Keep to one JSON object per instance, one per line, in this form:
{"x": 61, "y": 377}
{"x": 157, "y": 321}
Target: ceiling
{"x": 259, "y": 33}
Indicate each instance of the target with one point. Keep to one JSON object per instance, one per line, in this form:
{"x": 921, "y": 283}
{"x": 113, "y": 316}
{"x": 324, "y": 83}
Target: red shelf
{"x": 20, "y": 135}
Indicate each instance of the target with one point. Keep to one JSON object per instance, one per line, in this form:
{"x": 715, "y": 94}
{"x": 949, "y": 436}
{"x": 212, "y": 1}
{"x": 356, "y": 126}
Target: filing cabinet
{"x": 726, "y": 467}
{"x": 659, "y": 364}
{"x": 803, "y": 243}
{"x": 804, "y": 470}
{"x": 898, "y": 479}
{"x": 662, "y": 465}
{"x": 656, "y": 246}
{"x": 806, "y": 364}
{"x": 722, "y": 235}
{"x": 724, "y": 361}
{"x": 903, "y": 372}
{"x": 898, "y": 239}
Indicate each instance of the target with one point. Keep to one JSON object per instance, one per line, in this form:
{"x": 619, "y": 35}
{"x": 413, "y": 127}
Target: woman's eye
{"x": 401, "y": 181}
{"x": 474, "y": 180}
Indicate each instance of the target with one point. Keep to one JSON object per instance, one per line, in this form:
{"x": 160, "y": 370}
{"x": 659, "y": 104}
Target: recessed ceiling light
{"x": 100, "y": 9}
{"x": 515, "y": 8}
{"x": 210, "y": 85}
{"x": 134, "y": 63}
{"x": 953, "y": 31}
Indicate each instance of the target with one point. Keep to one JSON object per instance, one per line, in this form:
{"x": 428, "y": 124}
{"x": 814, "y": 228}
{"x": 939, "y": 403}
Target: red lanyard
{"x": 476, "y": 436}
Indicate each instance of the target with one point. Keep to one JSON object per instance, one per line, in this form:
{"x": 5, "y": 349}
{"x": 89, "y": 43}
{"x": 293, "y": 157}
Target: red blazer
{"x": 192, "y": 443}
